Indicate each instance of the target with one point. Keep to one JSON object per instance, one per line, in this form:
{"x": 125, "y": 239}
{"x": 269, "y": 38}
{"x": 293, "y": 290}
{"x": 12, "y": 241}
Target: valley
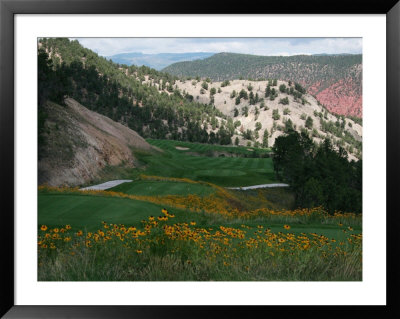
{"x": 187, "y": 154}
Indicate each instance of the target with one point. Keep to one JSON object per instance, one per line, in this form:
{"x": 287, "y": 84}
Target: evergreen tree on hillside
{"x": 119, "y": 91}
{"x": 319, "y": 176}
{"x": 265, "y": 138}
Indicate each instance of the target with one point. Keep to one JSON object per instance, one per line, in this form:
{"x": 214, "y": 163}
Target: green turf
{"x": 171, "y": 145}
{"x": 152, "y": 188}
{"x": 223, "y": 171}
{"x": 89, "y": 211}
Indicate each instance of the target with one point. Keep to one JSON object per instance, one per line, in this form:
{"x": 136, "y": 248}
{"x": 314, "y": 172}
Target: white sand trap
{"x": 182, "y": 148}
{"x": 259, "y": 186}
{"x": 106, "y": 185}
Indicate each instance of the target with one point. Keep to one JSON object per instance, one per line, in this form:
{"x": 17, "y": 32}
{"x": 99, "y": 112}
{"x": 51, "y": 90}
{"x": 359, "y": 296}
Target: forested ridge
{"x": 154, "y": 108}
{"x": 336, "y": 80}
{"x": 300, "y": 68}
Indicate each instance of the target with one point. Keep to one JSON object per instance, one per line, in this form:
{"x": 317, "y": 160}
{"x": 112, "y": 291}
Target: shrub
{"x": 275, "y": 114}
{"x": 243, "y": 94}
{"x": 248, "y": 134}
{"x": 309, "y": 123}
{"x": 315, "y": 133}
{"x": 237, "y": 124}
{"x": 299, "y": 88}
{"x": 245, "y": 111}
{"x": 225, "y": 83}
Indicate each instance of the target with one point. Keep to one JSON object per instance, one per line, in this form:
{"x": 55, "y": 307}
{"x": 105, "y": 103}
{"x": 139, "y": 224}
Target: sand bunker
{"x": 182, "y": 148}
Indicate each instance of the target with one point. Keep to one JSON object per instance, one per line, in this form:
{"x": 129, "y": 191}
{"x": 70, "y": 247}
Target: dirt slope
{"x": 80, "y": 143}
{"x": 297, "y": 111}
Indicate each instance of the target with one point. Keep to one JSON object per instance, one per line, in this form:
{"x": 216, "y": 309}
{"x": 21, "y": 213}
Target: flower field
{"x": 163, "y": 250}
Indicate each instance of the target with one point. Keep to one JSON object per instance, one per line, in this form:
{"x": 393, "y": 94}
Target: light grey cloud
{"x": 258, "y": 46}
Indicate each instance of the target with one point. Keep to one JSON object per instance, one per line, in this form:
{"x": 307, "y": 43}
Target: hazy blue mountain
{"x": 157, "y": 61}
{"x": 331, "y": 54}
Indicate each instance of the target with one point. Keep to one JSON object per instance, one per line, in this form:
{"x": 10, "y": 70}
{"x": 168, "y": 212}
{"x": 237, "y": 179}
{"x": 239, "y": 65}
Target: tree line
{"x": 318, "y": 174}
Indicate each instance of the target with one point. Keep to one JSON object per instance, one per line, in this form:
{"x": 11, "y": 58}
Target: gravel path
{"x": 259, "y": 186}
{"x": 106, "y": 185}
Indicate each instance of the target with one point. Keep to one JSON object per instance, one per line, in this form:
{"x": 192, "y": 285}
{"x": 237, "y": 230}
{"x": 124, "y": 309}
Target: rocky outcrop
{"x": 80, "y": 143}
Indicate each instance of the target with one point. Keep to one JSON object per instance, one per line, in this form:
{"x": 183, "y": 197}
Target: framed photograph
{"x": 163, "y": 160}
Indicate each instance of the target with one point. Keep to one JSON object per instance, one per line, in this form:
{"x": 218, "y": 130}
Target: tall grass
{"x": 184, "y": 251}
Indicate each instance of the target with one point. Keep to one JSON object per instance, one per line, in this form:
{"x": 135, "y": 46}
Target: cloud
{"x": 258, "y": 46}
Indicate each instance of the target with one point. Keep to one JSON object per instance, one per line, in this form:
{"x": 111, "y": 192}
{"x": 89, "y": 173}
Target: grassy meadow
{"x": 177, "y": 221}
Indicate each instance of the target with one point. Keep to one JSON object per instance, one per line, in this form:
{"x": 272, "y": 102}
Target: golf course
{"x": 177, "y": 220}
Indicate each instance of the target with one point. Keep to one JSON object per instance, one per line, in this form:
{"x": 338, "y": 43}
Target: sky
{"x": 257, "y": 46}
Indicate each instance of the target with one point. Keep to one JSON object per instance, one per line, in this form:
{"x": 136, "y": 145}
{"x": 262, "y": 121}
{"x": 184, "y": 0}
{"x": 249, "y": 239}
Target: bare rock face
{"x": 80, "y": 143}
{"x": 342, "y": 97}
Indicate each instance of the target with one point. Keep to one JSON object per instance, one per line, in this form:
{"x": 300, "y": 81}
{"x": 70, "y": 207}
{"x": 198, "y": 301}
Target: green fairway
{"x": 152, "y": 188}
{"x": 89, "y": 211}
{"x": 224, "y": 171}
{"x": 86, "y": 211}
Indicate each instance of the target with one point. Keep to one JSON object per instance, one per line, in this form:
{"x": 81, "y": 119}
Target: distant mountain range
{"x": 157, "y": 61}
{"x": 331, "y": 54}
{"x": 335, "y": 80}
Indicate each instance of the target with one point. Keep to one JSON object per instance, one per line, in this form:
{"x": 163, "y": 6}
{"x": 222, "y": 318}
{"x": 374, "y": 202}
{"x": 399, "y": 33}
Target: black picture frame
{"x": 10, "y": 8}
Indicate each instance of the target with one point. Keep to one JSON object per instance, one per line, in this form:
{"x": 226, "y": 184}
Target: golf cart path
{"x": 111, "y": 184}
{"x": 260, "y": 186}
{"x": 106, "y": 185}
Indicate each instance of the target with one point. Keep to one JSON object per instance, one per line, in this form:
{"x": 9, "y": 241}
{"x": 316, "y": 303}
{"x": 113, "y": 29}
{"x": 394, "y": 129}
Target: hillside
{"x": 139, "y": 97}
{"x": 79, "y": 144}
{"x": 157, "y": 61}
{"x": 160, "y": 106}
{"x": 335, "y": 80}
{"x": 259, "y": 119}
